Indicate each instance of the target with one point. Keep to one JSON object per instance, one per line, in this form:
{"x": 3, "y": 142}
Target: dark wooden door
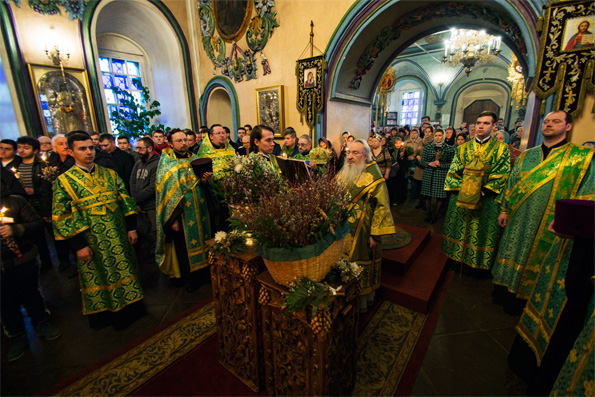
{"x": 472, "y": 111}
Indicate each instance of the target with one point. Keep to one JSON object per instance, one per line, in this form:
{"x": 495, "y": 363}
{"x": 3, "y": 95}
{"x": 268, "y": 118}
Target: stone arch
{"x": 220, "y": 83}
{"x": 164, "y": 44}
{"x": 504, "y": 86}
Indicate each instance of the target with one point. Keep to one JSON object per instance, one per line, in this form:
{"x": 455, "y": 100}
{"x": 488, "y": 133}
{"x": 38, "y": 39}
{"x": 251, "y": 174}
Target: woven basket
{"x": 315, "y": 268}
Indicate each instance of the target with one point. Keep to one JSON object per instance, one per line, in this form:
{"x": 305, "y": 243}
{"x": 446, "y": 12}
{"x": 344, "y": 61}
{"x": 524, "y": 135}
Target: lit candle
{"x": 43, "y": 157}
{"x": 16, "y": 174}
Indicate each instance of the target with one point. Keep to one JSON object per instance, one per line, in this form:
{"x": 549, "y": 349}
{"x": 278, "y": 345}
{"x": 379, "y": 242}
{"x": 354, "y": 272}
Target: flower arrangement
{"x": 298, "y": 216}
{"x": 230, "y": 243}
{"x": 248, "y": 179}
{"x": 307, "y": 292}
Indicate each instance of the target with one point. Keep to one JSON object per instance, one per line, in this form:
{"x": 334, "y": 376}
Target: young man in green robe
{"x": 371, "y": 217}
{"x": 182, "y": 215}
{"x": 476, "y": 176}
{"x": 555, "y": 170}
{"x": 94, "y": 213}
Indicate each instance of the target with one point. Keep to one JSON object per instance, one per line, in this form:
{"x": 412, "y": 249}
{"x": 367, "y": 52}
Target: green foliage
{"x": 139, "y": 120}
{"x": 306, "y": 292}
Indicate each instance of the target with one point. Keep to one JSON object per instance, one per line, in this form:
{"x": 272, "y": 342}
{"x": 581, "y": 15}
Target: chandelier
{"x": 470, "y": 48}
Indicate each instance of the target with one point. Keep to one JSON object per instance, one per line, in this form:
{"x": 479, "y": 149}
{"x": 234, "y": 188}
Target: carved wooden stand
{"x": 238, "y": 314}
{"x": 304, "y": 355}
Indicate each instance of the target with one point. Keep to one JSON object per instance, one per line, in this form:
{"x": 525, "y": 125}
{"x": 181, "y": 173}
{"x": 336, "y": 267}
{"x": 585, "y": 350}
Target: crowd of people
{"x": 96, "y": 200}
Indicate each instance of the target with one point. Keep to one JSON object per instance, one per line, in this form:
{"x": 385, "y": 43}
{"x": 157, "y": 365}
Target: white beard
{"x": 350, "y": 173}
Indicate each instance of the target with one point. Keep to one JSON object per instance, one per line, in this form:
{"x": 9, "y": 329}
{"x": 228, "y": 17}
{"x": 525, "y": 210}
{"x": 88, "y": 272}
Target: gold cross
{"x": 570, "y": 97}
{"x": 193, "y": 242}
{"x": 547, "y": 73}
{"x": 190, "y": 223}
{"x": 188, "y": 204}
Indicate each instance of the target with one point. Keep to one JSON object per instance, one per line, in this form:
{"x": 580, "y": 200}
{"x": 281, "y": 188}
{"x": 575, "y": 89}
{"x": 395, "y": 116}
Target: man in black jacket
{"x": 142, "y": 190}
{"x": 124, "y": 162}
{"x": 39, "y": 191}
{"x": 20, "y": 272}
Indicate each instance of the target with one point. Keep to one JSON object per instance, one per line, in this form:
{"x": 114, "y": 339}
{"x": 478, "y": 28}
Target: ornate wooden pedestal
{"x": 235, "y": 295}
{"x": 304, "y": 355}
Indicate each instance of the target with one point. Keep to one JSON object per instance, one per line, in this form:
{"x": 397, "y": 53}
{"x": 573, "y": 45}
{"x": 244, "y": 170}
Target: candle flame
{"x": 43, "y": 157}
{"x": 3, "y": 210}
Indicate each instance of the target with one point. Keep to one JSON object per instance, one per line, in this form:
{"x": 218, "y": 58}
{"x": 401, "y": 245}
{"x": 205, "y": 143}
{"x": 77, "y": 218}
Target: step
{"x": 415, "y": 288}
{"x": 399, "y": 260}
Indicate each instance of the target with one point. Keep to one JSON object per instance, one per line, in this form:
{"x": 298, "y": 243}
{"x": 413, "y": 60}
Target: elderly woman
{"x": 499, "y": 135}
{"x": 436, "y": 161}
{"x": 414, "y": 148}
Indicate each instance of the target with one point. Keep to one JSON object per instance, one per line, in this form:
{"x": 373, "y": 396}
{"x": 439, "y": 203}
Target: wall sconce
{"x": 440, "y": 84}
{"x": 55, "y": 55}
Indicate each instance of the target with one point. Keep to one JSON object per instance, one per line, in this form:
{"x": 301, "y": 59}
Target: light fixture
{"x": 470, "y": 48}
{"x": 54, "y": 54}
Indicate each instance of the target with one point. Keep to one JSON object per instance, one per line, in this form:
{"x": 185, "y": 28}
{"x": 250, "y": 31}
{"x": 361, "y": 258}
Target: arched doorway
{"x": 219, "y": 110}
{"x": 118, "y": 30}
{"x": 372, "y": 35}
{"x": 476, "y": 97}
{"x": 477, "y": 107}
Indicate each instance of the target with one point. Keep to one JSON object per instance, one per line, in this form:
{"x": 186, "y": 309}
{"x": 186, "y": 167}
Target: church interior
{"x": 376, "y": 63}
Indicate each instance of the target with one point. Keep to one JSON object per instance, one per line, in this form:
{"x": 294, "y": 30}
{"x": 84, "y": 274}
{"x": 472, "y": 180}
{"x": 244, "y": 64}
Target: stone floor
{"x": 466, "y": 356}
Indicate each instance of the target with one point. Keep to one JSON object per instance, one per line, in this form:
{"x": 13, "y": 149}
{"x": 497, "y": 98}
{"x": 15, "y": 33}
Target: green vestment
{"x": 470, "y": 236}
{"x": 371, "y": 215}
{"x": 532, "y": 189}
{"x": 179, "y": 192}
{"x": 95, "y": 205}
{"x": 271, "y": 161}
{"x": 576, "y": 376}
{"x": 220, "y": 157}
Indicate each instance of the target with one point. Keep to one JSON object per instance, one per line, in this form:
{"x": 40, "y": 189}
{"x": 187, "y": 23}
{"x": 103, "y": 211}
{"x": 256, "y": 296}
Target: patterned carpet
{"x": 384, "y": 349}
{"x": 133, "y": 368}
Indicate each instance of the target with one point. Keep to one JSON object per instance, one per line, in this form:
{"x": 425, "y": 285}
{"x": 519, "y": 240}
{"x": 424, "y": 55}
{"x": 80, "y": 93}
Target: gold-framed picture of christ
{"x": 270, "y": 108}
{"x": 310, "y": 87}
{"x": 63, "y": 99}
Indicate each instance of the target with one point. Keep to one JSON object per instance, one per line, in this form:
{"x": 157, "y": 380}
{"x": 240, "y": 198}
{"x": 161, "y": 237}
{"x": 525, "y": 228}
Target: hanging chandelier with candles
{"x": 470, "y": 48}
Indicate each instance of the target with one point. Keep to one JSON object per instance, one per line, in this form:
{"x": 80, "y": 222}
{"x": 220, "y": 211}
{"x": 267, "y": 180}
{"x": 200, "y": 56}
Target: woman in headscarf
{"x": 418, "y": 175}
{"x": 461, "y": 139}
{"x": 325, "y": 144}
{"x": 414, "y": 147}
{"x": 436, "y": 161}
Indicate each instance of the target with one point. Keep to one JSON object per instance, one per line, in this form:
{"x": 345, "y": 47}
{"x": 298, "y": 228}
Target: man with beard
{"x": 371, "y": 217}
{"x": 217, "y": 147}
{"x": 142, "y": 190}
{"x": 183, "y": 219}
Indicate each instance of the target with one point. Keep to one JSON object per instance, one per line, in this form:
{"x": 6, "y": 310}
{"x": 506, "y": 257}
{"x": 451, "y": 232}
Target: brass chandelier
{"x": 470, "y": 48}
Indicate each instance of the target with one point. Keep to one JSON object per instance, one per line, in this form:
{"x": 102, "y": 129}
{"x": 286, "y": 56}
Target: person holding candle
{"x": 45, "y": 147}
{"x": 20, "y": 274}
{"x": 39, "y": 191}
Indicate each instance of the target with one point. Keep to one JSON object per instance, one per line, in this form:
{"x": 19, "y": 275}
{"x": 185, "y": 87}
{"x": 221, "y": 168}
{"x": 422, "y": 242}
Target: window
{"x": 118, "y": 72}
{"x": 410, "y": 103}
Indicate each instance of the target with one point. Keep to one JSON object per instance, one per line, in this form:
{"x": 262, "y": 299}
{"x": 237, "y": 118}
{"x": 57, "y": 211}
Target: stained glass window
{"x": 118, "y": 73}
{"x": 410, "y": 107}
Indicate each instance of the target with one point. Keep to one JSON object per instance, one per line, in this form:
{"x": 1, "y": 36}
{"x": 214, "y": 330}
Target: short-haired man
{"x": 372, "y": 220}
{"x": 241, "y": 135}
{"x": 142, "y": 190}
{"x": 8, "y": 154}
{"x": 95, "y": 138}
{"x": 39, "y": 191}
{"x": 183, "y": 221}
{"x": 289, "y": 148}
{"x": 552, "y": 273}
{"x": 262, "y": 144}
{"x": 425, "y": 120}
{"x": 217, "y": 147}
{"x": 476, "y": 176}
{"x": 527, "y": 207}
{"x": 304, "y": 146}
{"x": 193, "y": 146}
{"x": 45, "y": 147}
{"x": 101, "y": 229}
{"x": 229, "y": 140}
{"x": 123, "y": 161}
{"x": 159, "y": 140}
{"x": 125, "y": 146}
{"x": 248, "y": 129}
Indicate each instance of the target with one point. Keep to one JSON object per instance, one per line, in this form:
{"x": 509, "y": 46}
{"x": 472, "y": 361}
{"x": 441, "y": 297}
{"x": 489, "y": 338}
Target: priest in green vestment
{"x": 94, "y": 213}
{"x": 216, "y": 147}
{"x": 370, "y": 219}
{"x": 262, "y": 143}
{"x": 182, "y": 216}
{"x": 555, "y": 170}
{"x": 476, "y": 176}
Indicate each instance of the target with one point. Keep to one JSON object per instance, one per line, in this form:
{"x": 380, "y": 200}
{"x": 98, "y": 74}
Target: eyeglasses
{"x": 354, "y": 152}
